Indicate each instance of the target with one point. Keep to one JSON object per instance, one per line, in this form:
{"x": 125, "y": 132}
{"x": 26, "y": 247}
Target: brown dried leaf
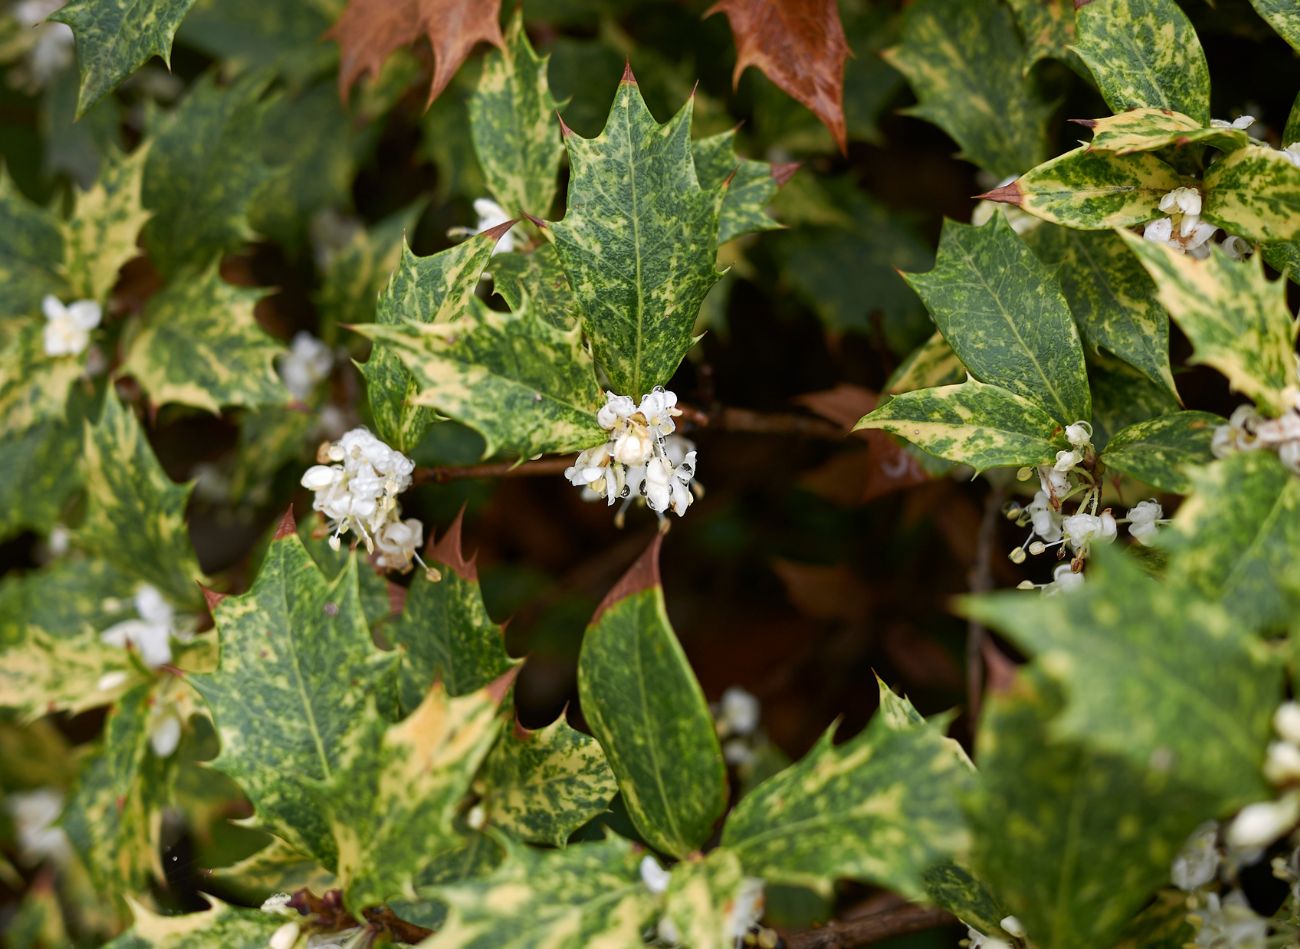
{"x": 799, "y": 45}
{"x": 369, "y": 31}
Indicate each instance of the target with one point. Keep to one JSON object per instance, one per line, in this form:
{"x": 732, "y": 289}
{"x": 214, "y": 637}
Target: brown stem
{"x": 440, "y": 474}
{"x": 870, "y": 929}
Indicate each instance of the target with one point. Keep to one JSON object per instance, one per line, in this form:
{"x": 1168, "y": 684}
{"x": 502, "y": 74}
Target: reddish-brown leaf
{"x": 369, "y": 31}
{"x": 799, "y": 45}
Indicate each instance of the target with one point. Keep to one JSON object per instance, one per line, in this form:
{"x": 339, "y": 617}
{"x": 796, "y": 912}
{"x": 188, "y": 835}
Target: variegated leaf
{"x": 1236, "y": 536}
{"x": 40, "y": 470}
{"x": 1160, "y": 451}
{"x": 135, "y": 514}
{"x": 1144, "y": 53}
{"x": 1283, "y": 16}
{"x": 115, "y": 38}
{"x": 114, "y": 817}
{"x": 1047, "y": 27}
{"x": 31, "y": 250}
{"x": 1112, "y": 299}
{"x": 1122, "y": 396}
{"x": 1092, "y": 190}
{"x": 202, "y": 346}
{"x": 540, "y": 786}
{"x": 638, "y": 240}
{"x": 1198, "y": 715}
{"x": 1254, "y": 193}
{"x": 106, "y": 220}
{"x": 699, "y": 898}
{"x": 231, "y": 927}
{"x": 1238, "y": 321}
{"x": 965, "y": 60}
{"x": 42, "y": 672}
{"x": 1002, "y": 312}
{"x": 750, "y": 185}
{"x": 355, "y": 274}
{"x": 1146, "y": 130}
{"x": 202, "y": 174}
{"x": 881, "y": 807}
{"x": 524, "y": 385}
{"x": 931, "y": 364}
{"x": 972, "y": 424}
{"x": 589, "y": 894}
{"x": 425, "y": 290}
{"x": 537, "y": 278}
{"x": 512, "y": 122}
{"x": 392, "y": 797}
{"x": 647, "y": 710}
{"x": 297, "y": 665}
{"x": 276, "y": 868}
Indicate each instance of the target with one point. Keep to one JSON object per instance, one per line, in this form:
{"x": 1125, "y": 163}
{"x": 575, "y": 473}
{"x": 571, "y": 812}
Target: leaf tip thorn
{"x": 784, "y": 171}
{"x": 642, "y": 575}
{"x": 627, "y": 73}
{"x": 1007, "y": 194}
{"x": 286, "y": 526}
{"x": 449, "y": 551}
{"x": 211, "y": 597}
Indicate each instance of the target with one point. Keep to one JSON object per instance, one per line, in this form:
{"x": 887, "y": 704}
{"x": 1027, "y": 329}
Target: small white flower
{"x": 1241, "y": 123}
{"x": 331, "y": 232}
{"x": 278, "y": 905}
{"x": 1067, "y": 460}
{"x": 1258, "y": 825}
{"x": 668, "y": 932}
{"x": 34, "y": 814}
{"x": 978, "y": 940}
{"x": 1181, "y": 201}
{"x": 151, "y": 634}
{"x": 1142, "y": 520}
{"x": 746, "y": 908}
{"x": 59, "y": 542}
{"x": 397, "y": 543}
{"x": 1286, "y": 721}
{"x": 1045, "y": 519}
{"x": 1013, "y": 926}
{"x": 738, "y": 712}
{"x": 305, "y": 365}
{"x": 490, "y": 214}
{"x": 1282, "y": 765}
{"x": 1160, "y": 230}
{"x": 359, "y": 493}
{"x": 1082, "y": 530}
{"x": 654, "y": 877}
{"x": 738, "y": 753}
{"x": 165, "y": 733}
{"x": 1064, "y": 579}
{"x": 1079, "y": 434}
{"x": 111, "y": 680}
{"x": 286, "y": 937}
{"x": 67, "y": 328}
{"x": 1292, "y": 153}
{"x": 1237, "y": 248}
{"x": 1198, "y": 861}
{"x": 1230, "y": 924}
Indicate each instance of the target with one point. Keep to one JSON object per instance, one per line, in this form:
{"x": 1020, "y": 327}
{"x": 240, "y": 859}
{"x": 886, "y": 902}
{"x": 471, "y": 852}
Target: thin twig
{"x": 980, "y": 580}
{"x": 439, "y": 474}
{"x": 871, "y": 929}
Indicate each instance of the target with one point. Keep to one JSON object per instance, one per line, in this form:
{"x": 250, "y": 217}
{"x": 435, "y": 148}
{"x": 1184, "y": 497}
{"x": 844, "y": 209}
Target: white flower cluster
{"x": 34, "y": 815}
{"x": 1229, "y": 923}
{"x": 1247, "y": 430}
{"x": 356, "y": 484}
{"x": 642, "y": 453}
{"x": 736, "y": 717}
{"x": 305, "y": 365}
{"x": 1010, "y": 927}
{"x": 52, "y": 48}
{"x": 1183, "y": 228}
{"x": 67, "y": 328}
{"x": 151, "y": 633}
{"x": 742, "y": 915}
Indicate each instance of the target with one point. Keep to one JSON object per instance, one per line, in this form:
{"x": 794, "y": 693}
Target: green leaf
{"x": 1283, "y": 16}
{"x": 964, "y": 60}
{"x": 354, "y": 275}
{"x": 1199, "y": 712}
{"x": 31, "y": 251}
{"x": 588, "y": 894}
{"x": 297, "y": 663}
{"x": 231, "y": 927}
{"x": 538, "y": 278}
{"x": 395, "y": 790}
{"x": 1160, "y": 451}
{"x": 1047, "y": 27}
{"x": 1254, "y": 193}
{"x": 750, "y": 185}
{"x": 1146, "y": 130}
{"x": 699, "y": 897}
{"x": 880, "y": 808}
{"x": 512, "y": 120}
{"x": 931, "y": 364}
{"x": 45, "y": 672}
{"x": 647, "y": 711}
{"x": 1092, "y": 190}
{"x": 114, "y": 817}
{"x": 638, "y": 241}
{"x": 1236, "y": 536}
{"x": 971, "y": 423}
{"x": 106, "y": 220}
{"x": 540, "y": 786}
{"x": 1122, "y": 396}
{"x": 201, "y": 174}
{"x": 116, "y": 37}
{"x": 525, "y": 386}
{"x": 428, "y": 290}
{"x": 444, "y": 633}
{"x": 202, "y": 346}
{"x": 1002, "y": 312}
{"x": 1144, "y": 53}
{"x": 1237, "y": 320}
{"x": 1112, "y": 299}
{"x": 276, "y": 868}
{"x": 1073, "y": 840}
{"x": 135, "y": 514}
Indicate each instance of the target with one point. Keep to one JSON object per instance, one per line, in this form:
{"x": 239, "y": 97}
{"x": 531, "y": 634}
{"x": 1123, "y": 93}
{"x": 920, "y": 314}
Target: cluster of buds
{"x": 1182, "y": 228}
{"x": 1257, "y": 825}
{"x": 736, "y": 718}
{"x": 356, "y": 485}
{"x": 1247, "y": 430}
{"x": 641, "y": 455}
{"x": 743, "y": 912}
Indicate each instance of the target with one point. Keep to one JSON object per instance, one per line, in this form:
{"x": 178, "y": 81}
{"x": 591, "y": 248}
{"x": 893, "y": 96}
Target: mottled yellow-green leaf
{"x": 276, "y": 868}
{"x": 965, "y": 62}
{"x": 538, "y": 278}
{"x": 971, "y": 423}
{"x": 135, "y": 514}
{"x": 391, "y": 800}
{"x": 933, "y": 363}
{"x": 1144, "y": 53}
{"x": 1283, "y": 16}
{"x": 33, "y": 386}
{"x": 202, "y": 346}
{"x": 700, "y": 895}
{"x": 524, "y": 385}
{"x": 750, "y": 185}
{"x": 1237, "y": 320}
{"x": 638, "y": 241}
{"x": 1047, "y": 27}
{"x": 512, "y": 120}
{"x": 540, "y": 786}
{"x": 1235, "y": 538}
{"x": 1145, "y": 130}
{"x": 42, "y": 673}
{"x": 353, "y": 276}
{"x": 589, "y": 894}
{"x": 31, "y": 251}
{"x": 1093, "y": 190}
{"x": 230, "y": 927}
{"x": 1254, "y": 193}
{"x": 1160, "y": 451}
{"x": 106, "y": 220}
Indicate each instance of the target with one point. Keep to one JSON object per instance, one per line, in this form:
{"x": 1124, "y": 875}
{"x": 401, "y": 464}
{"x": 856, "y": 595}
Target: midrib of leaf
{"x": 302, "y": 691}
{"x": 1136, "y": 56}
{"x": 636, "y": 244}
{"x": 1266, "y": 526}
{"x": 654, "y": 754}
{"x": 1011, "y": 324}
